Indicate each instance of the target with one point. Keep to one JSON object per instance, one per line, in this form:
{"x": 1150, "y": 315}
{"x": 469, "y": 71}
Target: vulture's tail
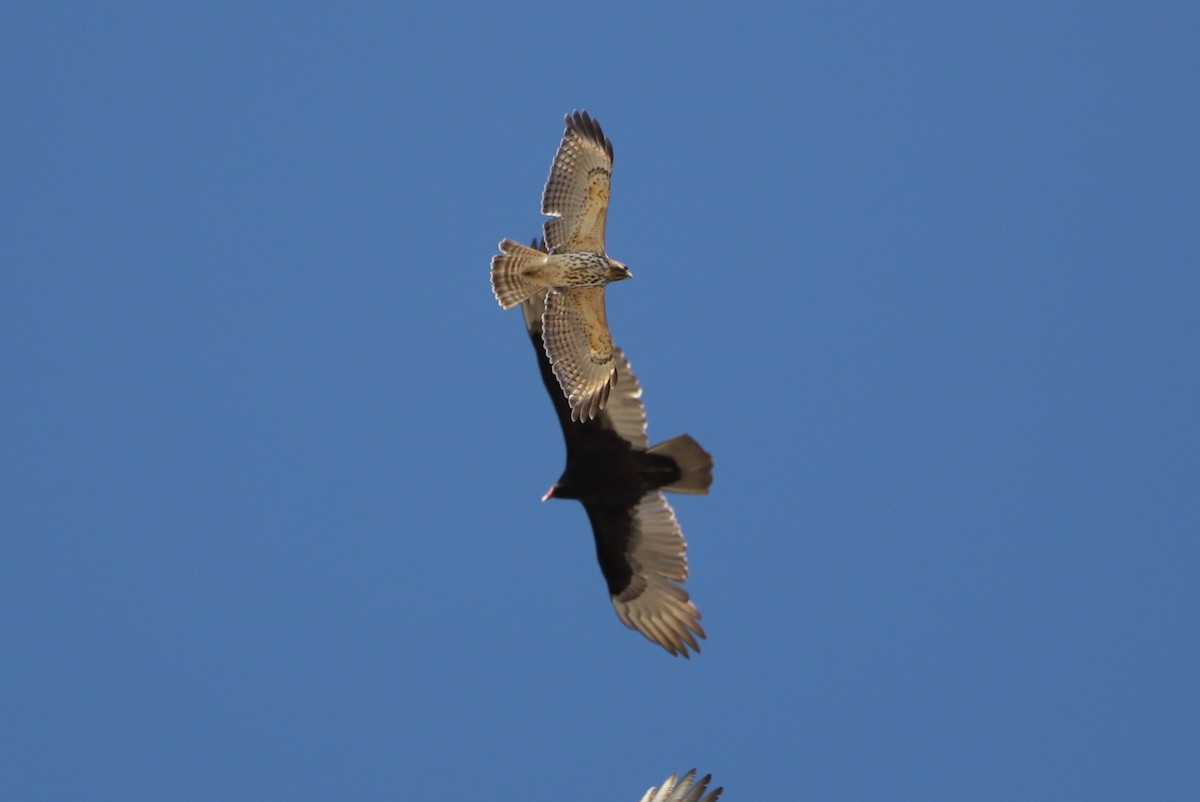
{"x": 695, "y": 464}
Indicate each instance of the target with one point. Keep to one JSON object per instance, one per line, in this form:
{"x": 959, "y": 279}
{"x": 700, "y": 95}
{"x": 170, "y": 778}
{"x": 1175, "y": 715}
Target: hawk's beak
{"x": 550, "y": 493}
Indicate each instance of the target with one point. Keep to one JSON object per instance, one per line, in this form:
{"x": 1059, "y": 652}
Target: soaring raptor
{"x": 574, "y": 326}
{"x": 619, "y": 478}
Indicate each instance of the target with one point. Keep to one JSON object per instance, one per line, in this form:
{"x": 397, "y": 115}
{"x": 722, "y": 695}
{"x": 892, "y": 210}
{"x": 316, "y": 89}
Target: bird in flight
{"x": 683, "y": 789}
{"x": 573, "y": 271}
{"x": 619, "y": 478}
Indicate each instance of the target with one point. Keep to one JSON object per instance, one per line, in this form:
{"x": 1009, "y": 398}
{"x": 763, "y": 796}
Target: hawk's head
{"x": 618, "y": 270}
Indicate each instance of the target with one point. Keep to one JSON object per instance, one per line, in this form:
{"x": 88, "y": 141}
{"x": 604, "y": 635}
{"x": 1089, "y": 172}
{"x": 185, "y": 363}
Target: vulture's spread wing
{"x": 643, "y": 557}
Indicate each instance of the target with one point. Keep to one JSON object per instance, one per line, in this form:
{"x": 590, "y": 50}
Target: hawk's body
{"x": 619, "y": 478}
{"x": 575, "y": 270}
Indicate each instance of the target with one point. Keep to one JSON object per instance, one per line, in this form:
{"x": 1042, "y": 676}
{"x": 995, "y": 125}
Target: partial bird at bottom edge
{"x": 683, "y": 789}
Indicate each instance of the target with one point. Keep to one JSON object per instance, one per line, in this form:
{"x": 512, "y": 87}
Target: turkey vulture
{"x": 575, "y": 268}
{"x": 619, "y": 479}
{"x": 685, "y": 789}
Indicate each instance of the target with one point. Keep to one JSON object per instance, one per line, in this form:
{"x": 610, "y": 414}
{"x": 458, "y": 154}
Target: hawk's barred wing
{"x": 579, "y": 347}
{"x": 624, "y": 413}
{"x": 576, "y": 193}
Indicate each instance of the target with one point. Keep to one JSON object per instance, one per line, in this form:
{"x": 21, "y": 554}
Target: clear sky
{"x": 925, "y": 282}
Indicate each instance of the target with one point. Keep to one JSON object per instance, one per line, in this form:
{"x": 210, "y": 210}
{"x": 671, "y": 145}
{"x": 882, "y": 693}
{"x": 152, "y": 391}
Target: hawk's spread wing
{"x": 643, "y": 556}
{"x": 687, "y": 789}
{"x": 576, "y": 194}
{"x": 579, "y": 347}
{"x": 624, "y": 413}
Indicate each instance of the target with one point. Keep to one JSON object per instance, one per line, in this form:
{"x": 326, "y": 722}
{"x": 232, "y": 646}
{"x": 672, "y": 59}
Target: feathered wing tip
{"x": 695, "y": 464}
{"x": 586, "y": 406}
{"x": 510, "y": 282}
{"x": 685, "y": 789}
{"x": 665, "y": 614}
{"x": 582, "y": 123}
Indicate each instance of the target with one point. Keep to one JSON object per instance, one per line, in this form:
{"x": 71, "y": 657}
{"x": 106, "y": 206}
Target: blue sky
{"x": 924, "y": 281}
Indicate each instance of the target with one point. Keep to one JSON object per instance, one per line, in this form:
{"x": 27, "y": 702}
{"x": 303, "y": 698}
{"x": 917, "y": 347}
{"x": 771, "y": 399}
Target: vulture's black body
{"x": 618, "y": 479}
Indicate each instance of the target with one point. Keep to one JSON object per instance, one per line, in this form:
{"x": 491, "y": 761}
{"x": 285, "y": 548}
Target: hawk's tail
{"x": 695, "y": 464}
{"x": 510, "y": 273}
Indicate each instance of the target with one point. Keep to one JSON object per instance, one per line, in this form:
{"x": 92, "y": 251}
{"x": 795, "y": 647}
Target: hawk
{"x": 575, "y": 270}
{"x": 619, "y": 478}
{"x": 685, "y": 789}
